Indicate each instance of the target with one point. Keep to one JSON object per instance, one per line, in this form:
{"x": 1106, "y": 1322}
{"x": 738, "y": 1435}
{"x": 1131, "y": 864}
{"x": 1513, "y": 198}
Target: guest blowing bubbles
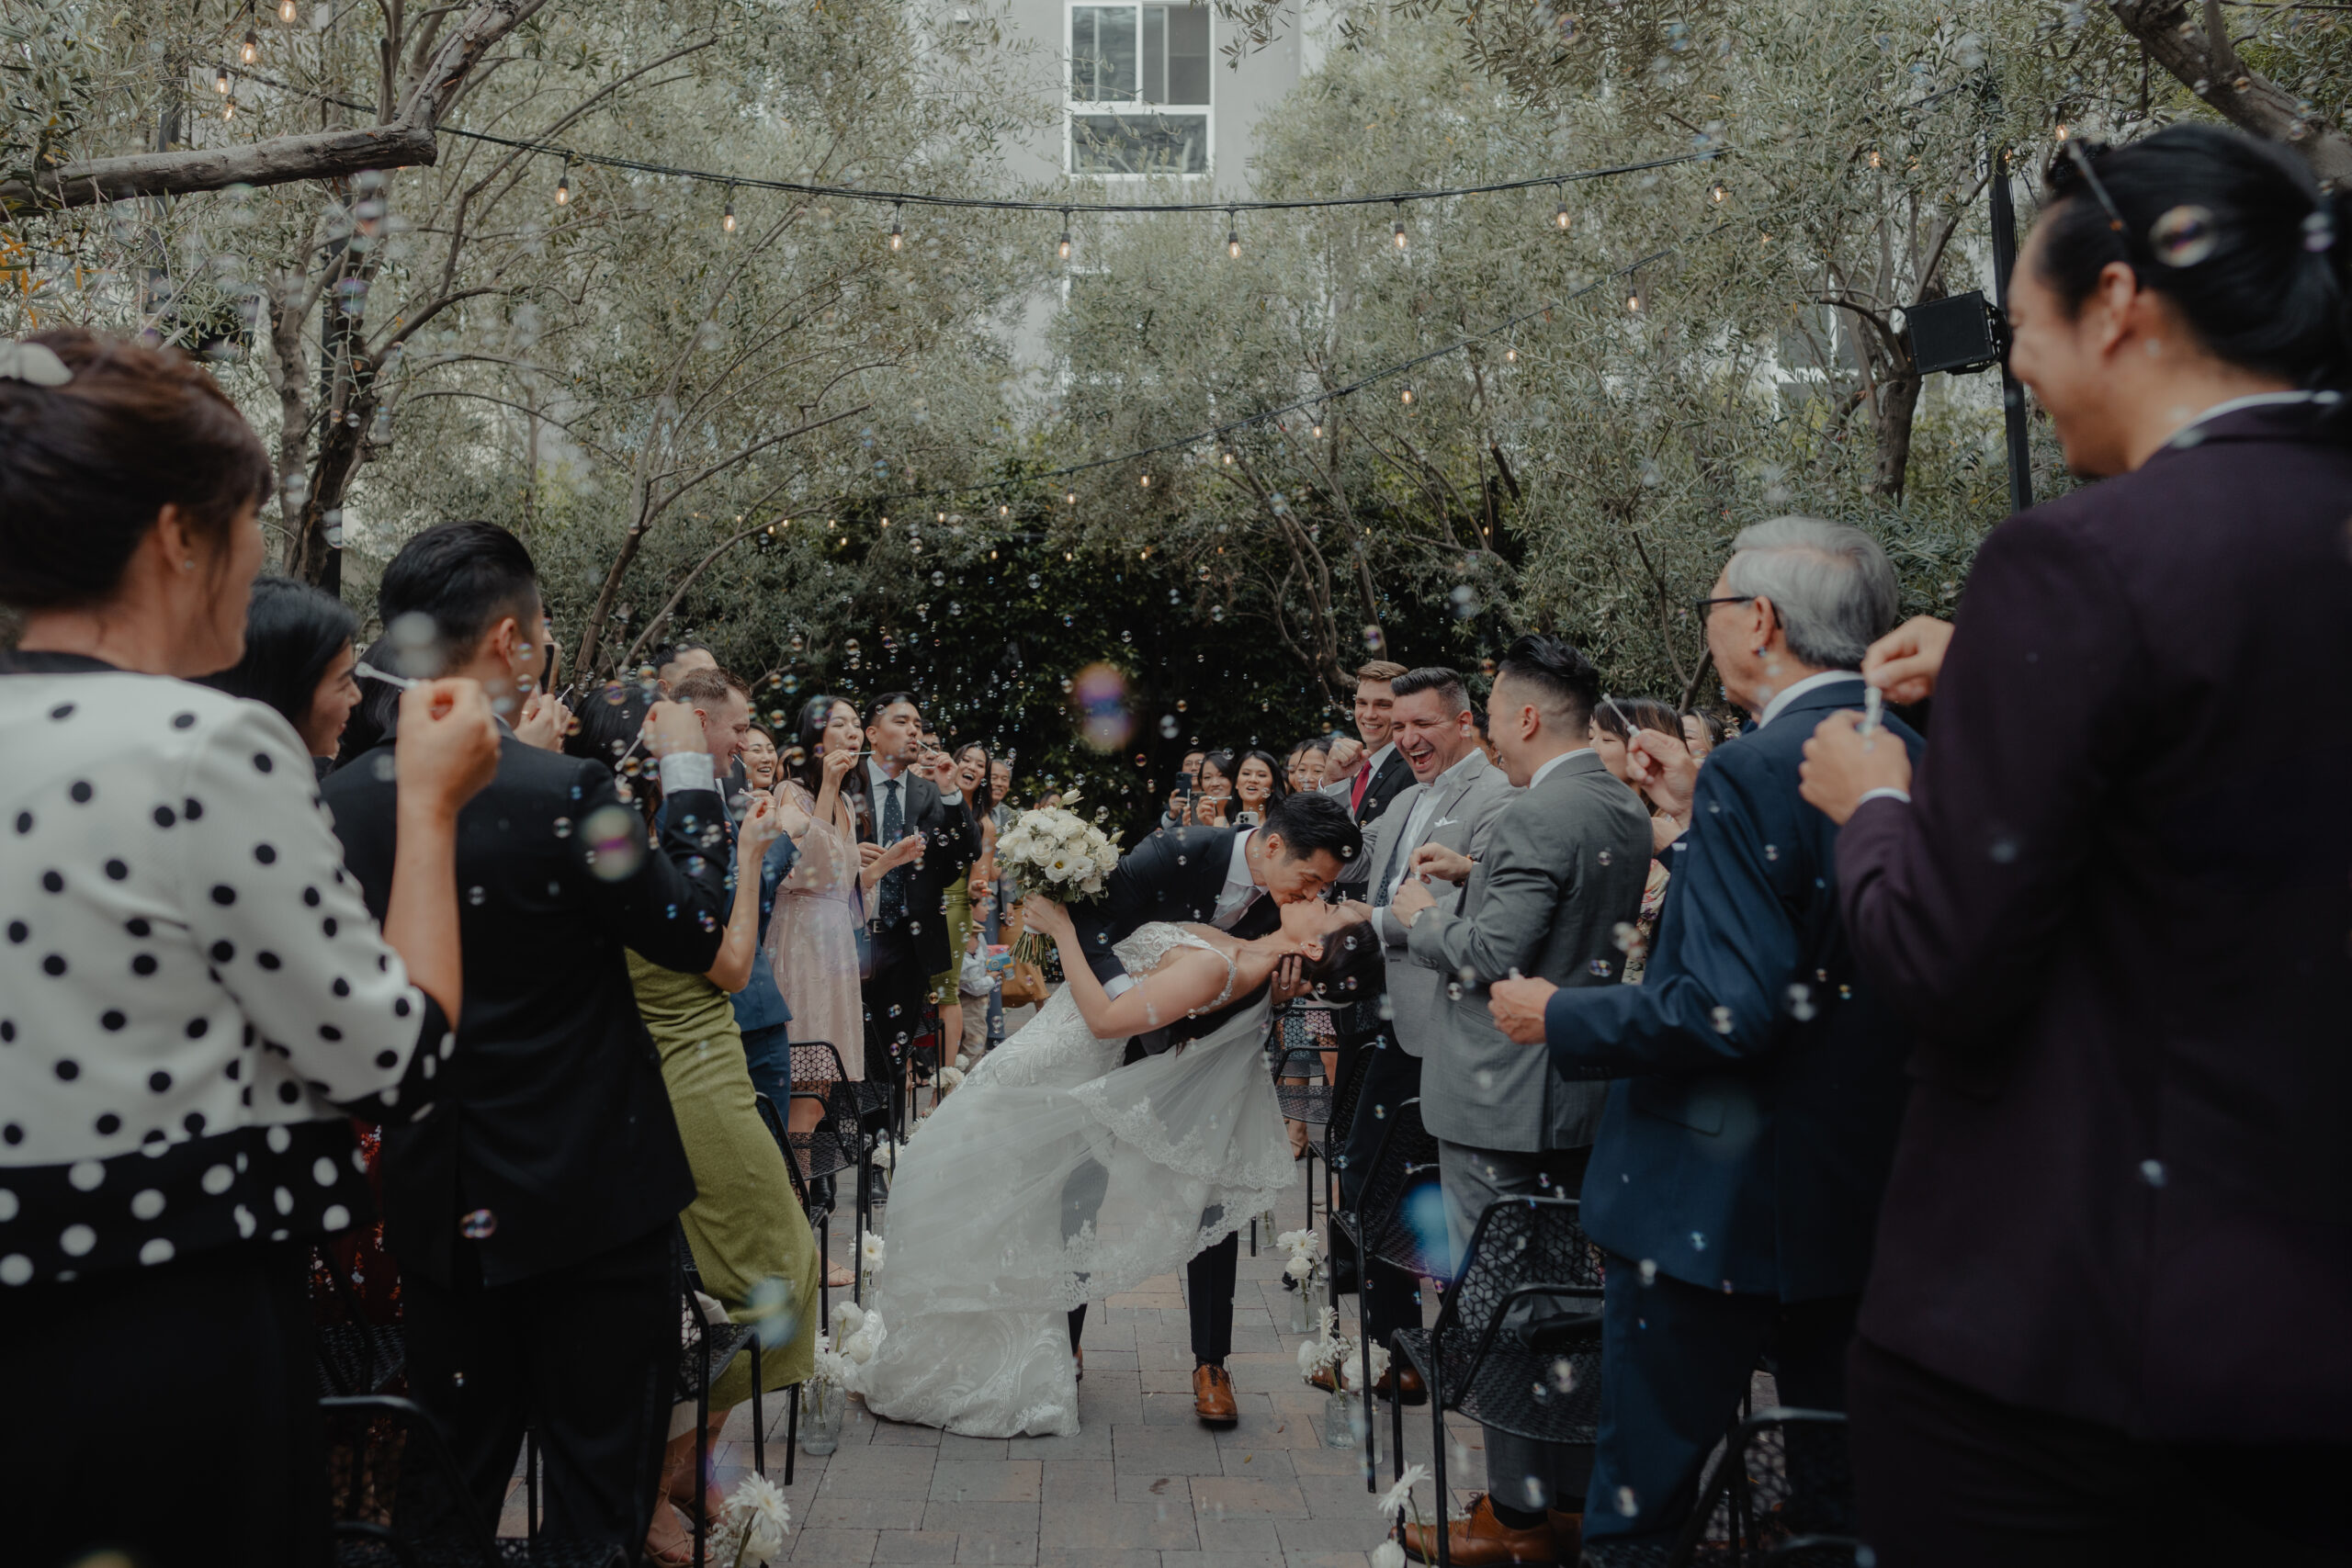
{"x": 2105, "y": 1318}
{"x": 174, "y": 899}
{"x": 298, "y": 659}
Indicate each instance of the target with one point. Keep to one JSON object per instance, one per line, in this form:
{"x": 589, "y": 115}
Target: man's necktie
{"x": 892, "y": 905}
{"x": 1388, "y": 872}
{"x": 1364, "y": 781}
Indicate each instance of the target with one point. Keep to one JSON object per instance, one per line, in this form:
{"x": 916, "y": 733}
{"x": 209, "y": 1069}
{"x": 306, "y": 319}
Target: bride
{"x": 1055, "y": 1174}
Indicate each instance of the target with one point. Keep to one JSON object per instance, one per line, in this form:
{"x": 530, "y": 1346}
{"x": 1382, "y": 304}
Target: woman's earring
{"x": 188, "y": 565}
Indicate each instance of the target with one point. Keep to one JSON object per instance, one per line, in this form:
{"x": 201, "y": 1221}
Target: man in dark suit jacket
{"x": 1737, "y": 1172}
{"x": 1233, "y": 879}
{"x": 2114, "y": 1269}
{"x": 905, "y": 790}
{"x": 533, "y": 1216}
{"x": 1367, "y": 774}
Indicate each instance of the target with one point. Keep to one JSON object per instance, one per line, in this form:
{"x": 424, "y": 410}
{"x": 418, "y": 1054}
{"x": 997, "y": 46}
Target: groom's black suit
{"x": 1177, "y": 874}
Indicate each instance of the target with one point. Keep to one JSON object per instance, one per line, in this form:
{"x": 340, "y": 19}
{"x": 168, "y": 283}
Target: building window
{"x": 1139, "y": 89}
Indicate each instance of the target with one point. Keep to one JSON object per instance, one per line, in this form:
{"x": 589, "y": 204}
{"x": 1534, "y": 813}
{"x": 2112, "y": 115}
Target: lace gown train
{"x": 1051, "y": 1177}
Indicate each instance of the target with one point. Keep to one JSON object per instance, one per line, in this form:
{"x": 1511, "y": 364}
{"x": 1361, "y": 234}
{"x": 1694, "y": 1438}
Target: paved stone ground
{"x": 1143, "y": 1485}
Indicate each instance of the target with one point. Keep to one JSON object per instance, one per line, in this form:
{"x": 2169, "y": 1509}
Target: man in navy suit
{"x": 1736, "y": 1178}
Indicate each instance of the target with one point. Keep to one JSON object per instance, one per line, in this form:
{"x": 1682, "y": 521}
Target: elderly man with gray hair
{"x": 1757, "y": 1080}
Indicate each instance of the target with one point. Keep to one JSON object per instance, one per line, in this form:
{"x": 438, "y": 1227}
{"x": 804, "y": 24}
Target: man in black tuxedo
{"x": 1365, "y": 774}
{"x": 533, "y": 1217}
{"x": 1233, "y": 879}
{"x": 904, "y": 789}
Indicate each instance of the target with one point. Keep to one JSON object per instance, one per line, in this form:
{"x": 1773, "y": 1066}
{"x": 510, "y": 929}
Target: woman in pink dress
{"x": 812, "y": 936}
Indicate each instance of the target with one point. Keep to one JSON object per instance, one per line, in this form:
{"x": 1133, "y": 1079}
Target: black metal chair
{"x": 399, "y": 1500}
{"x": 1301, "y": 1087}
{"x": 715, "y": 1343}
{"x": 1380, "y": 1227}
{"x": 1779, "y": 1495}
{"x": 354, "y": 1356}
{"x": 838, "y": 1143}
{"x": 1517, "y": 1345}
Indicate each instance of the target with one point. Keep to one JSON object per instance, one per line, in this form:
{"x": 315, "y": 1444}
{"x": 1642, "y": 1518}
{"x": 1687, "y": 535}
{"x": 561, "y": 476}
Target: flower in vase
{"x": 848, "y": 1317}
{"x": 1299, "y": 1266}
{"x": 869, "y": 1250}
{"x": 760, "y": 1517}
{"x": 1388, "y": 1554}
{"x": 1399, "y": 1497}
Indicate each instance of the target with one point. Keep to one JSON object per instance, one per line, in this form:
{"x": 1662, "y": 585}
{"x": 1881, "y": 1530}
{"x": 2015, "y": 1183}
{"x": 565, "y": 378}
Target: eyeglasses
{"x": 1706, "y": 606}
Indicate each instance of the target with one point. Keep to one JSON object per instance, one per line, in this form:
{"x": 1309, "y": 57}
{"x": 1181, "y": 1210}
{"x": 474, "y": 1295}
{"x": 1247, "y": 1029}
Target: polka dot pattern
{"x": 195, "y": 991}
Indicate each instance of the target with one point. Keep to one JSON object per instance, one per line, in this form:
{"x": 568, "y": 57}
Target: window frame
{"x": 1074, "y": 107}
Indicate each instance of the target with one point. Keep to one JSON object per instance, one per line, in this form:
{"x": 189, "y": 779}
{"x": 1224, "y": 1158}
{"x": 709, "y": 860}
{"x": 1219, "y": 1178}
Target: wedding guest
{"x": 760, "y": 769}
{"x": 956, "y": 893}
{"x": 1306, "y": 765}
{"x": 297, "y": 659}
{"x": 1366, "y": 772}
{"x": 813, "y": 937}
{"x": 750, "y": 1242}
{"x": 1258, "y": 783}
{"x": 195, "y": 1000}
{"x": 1213, "y": 803}
{"x": 533, "y": 1220}
{"x": 1457, "y": 793}
{"x": 1617, "y": 725}
{"x": 1702, "y": 732}
{"x": 674, "y": 662}
{"x": 2105, "y": 1320}
{"x": 372, "y": 722}
{"x": 1179, "y": 812}
{"x": 1759, "y": 1078}
{"x": 1564, "y": 866}
{"x": 910, "y": 793}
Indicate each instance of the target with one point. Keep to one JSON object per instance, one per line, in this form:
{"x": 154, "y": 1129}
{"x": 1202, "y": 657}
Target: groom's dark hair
{"x": 1308, "y": 822}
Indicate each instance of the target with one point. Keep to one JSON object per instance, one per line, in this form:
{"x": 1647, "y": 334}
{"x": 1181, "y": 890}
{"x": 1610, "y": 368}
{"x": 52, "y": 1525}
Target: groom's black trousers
{"x": 1209, "y": 1281}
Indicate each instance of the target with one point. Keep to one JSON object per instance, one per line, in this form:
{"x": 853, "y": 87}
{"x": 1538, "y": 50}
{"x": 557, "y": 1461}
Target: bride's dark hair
{"x": 1351, "y": 969}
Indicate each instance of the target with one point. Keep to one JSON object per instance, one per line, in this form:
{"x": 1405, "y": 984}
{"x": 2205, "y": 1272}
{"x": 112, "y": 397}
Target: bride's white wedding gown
{"x": 1053, "y": 1175}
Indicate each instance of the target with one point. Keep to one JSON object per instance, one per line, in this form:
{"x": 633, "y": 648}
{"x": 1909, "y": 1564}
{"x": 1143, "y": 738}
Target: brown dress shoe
{"x": 1567, "y": 1533}
{"x": 1415, "y": 1391}
{"x": 1483, "y": 1541}
{"x": 1213, "y": 1396}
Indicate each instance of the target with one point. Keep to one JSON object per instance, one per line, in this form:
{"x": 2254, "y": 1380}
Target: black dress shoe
{"x": 877, "y": 1189}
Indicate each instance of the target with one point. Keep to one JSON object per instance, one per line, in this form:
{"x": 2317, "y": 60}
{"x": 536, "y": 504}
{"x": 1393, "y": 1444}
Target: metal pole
{"x": 2004, "y": 260}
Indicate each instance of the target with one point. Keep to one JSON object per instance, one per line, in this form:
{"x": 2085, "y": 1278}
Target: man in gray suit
{"x": 1454, "y": 800}
{"x": 1562, "y": 867}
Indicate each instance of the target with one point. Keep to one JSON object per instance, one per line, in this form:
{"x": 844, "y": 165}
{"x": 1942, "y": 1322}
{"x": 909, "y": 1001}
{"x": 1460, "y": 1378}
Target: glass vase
{"x": 820, "y": 1417}
{"x": 1302, "y": 1321}
{"x": 1342, "y": 1421}
{"x": 1315, "y": 1292}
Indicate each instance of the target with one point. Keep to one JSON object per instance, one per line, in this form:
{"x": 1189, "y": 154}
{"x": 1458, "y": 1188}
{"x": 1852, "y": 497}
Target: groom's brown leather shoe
{"x": 1213, "y": 1396}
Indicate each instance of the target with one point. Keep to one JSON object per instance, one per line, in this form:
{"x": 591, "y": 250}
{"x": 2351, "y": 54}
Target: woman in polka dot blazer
{"x": 192, "y": 993}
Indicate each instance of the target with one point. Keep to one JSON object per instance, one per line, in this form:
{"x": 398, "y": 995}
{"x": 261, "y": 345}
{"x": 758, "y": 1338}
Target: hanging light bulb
{"x": 1400, "y": 239}
{"x": 727, "y": 217}
{"x": 1062, "y": 250}
{"x": 1560, "y": 213}
{"x": 1146, "y": 482}
{"x": 1510, "y": 356}
{"x": 1634, "y": 297}
{"x": 1070, "y": 497}
{"x": 1228, "y": 459}
{"x": 1004, "y": 511}
{"x": 221, "y": 79}
{"x": 1718, "y": 194}
{"x": 563, "y": 187}
{"x": 250, "y": 50}
{"x": 1319, "y": 430}
{"x": 288, "y": 11}
{"x": 897, "y": 234}
{"x": 1408, "y": 396}
{"x": 1233, "y": 237}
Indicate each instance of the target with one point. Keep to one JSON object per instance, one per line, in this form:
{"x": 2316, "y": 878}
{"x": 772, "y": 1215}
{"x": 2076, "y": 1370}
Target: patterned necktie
{"x": 893, "y": 904}
{"x": 1388, "y": 874}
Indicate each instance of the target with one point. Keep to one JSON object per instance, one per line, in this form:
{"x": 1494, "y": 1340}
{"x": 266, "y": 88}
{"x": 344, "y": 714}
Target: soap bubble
{"x": 2183, "y": 236}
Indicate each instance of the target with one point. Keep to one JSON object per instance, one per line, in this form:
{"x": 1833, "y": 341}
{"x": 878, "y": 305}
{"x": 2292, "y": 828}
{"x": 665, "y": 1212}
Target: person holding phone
{"x": 1213, "y": 803}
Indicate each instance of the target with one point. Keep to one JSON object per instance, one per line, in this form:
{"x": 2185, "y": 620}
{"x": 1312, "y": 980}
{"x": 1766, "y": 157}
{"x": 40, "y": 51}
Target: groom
{"x": 1232, "y": 878}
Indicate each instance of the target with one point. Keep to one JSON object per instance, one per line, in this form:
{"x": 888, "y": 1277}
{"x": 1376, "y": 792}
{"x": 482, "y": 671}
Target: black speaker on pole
{"x": 1956, "y": 336}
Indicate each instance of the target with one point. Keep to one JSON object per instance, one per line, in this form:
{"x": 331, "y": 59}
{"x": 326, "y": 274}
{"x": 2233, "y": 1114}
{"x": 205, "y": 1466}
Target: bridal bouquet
{"x": 1055, "y": 851}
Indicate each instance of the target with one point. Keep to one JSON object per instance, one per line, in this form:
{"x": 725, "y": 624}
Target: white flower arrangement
{"x": 1328, "y": 1350}
{"x": 1306, "y": 1249}
{"x": 870, "y": 1250}
{"x": 1054, "y": 851}
{"x": 758, "y": 1518}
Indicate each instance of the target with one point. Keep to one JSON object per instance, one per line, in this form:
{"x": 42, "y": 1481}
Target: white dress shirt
{"x": 1239, "y": 892}
{"x": 876, "y": 776}
{"x": 1417, "y": 824}
{"x": 1544, "y": 772}
{"x": 1787, "y": 695}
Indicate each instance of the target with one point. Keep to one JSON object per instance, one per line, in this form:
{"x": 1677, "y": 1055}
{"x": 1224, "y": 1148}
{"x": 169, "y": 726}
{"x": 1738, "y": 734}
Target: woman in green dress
{"x": 751, "y": 1241}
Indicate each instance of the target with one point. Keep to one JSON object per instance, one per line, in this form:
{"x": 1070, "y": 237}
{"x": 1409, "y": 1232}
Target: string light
{"x": 563, "y": 185}
{"x": 250, "y": 50}
{"x": 1319, "y": 430}
{"x": 727, "y": 217}
{"x": 288, "y": 11}
{"x": 1401, "y": 240}
{"x": 1560, "y": 213}
{"x": 1063, "y": 249}
{"x": 1146, "y": 482}
{"x": 897, "y": 234}
{"x": 220, "y": 80}
{"x": 1070, "y": 497}
{"x": 1233, "y": 238}
{"x": 1718, "y": 193}
{"x": 1634, "y": 297}
{"x": 1510, "y": 355}
{"x": 1407, "y": 396}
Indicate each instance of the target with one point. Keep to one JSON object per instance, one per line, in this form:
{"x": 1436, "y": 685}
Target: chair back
{"x": 1781, "y": 1492}
{"x": 1518, "y": 1341}
{"x": 395, "y": 1490}
{"x": 1399, "y": 1211}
